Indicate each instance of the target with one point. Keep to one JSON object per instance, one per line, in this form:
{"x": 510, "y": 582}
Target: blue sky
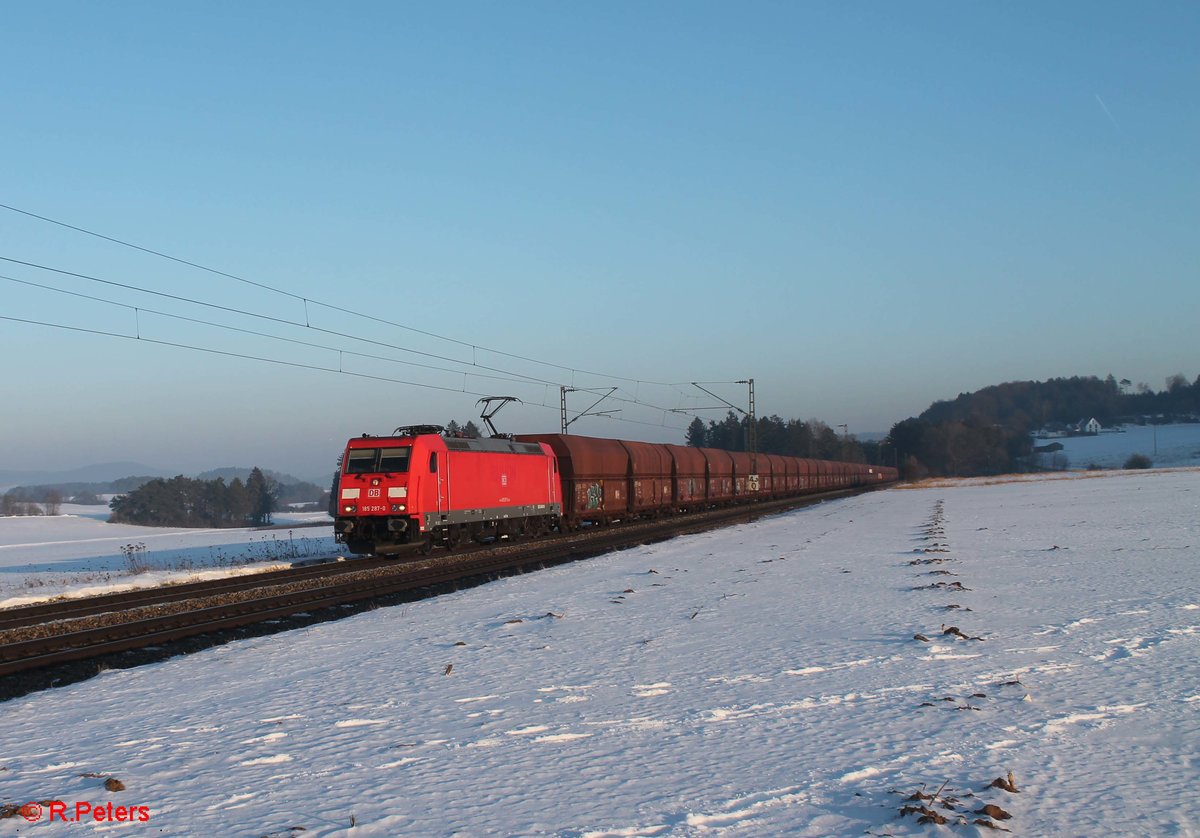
{"x": 865, "y": 207}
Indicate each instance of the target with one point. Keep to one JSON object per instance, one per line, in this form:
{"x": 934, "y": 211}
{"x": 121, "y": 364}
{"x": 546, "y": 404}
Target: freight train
{"x": 420, "y": 486}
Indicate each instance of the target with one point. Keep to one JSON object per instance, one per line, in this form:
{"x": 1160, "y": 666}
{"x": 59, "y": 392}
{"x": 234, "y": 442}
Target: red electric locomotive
{"x": 420, "y": 487}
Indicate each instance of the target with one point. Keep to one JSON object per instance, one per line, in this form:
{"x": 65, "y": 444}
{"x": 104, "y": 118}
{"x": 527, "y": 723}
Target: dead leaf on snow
{"x": 993, "y": 811}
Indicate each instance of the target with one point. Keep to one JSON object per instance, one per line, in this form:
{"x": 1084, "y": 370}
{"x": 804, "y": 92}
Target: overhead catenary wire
{"x": 307, "y": 300}
{"x": 514, "y": 377}
{"x": 634, "y": 398}
{"x": 199, "y": 321}
{"x": 140, "y": 310}
{"x": 278, "y": 361}
{"x": 259, "y": 316}
{"x": 230, "y": 354}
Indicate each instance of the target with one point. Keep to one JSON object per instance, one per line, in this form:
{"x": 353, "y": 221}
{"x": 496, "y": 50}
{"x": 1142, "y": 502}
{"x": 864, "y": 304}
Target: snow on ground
{"x": 1165, "y": 445}
{"x": 761, "y": 680}
{"x": 77, "y": 553}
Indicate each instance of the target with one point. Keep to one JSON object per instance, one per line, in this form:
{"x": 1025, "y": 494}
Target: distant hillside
{"x": 230, "y": 472}
{"x": 987, "y": 431}
{"x": 100, "y": 473}
{"x": 291, "y": 489}
{"x": 84, "y": 493}
{"x": 1028, "y": 405}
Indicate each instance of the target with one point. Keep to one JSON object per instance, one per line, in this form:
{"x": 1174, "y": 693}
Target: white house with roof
{"x": 1088, "y": 426}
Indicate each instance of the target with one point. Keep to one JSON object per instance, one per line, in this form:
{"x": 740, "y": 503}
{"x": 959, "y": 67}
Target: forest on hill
{"x": 988, "y": 431}
{"x": 1030, "y": 405}
{"x": 179, "y": 501}
{"x": 187, "y": 502}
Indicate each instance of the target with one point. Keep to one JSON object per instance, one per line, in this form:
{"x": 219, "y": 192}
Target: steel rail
{"x": 66, "y": 609}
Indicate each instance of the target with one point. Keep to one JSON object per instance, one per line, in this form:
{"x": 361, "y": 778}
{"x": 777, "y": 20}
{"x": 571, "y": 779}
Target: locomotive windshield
{"x": 393, "y": 459}
{"x": 374, "y": 460}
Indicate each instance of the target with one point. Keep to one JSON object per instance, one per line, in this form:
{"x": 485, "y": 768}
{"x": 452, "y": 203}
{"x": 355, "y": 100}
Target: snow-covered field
{"x": 78, "y": 553}
{"x": 761, "y": 680}
{"x": 1165, "y": 445}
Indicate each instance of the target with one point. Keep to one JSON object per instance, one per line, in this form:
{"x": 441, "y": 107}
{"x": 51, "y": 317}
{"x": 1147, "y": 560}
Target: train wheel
{"x": 453, "y": 537}
{"x": 426, "y": 545}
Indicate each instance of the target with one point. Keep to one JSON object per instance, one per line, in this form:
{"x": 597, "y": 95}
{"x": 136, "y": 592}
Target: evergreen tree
{"x": 697, "y": 435}
{"x": 261, "y": 492}
{"x": 213, "y": 503}
{"x": 239, "y": 502}
{"x": 729, "y": 434}
{"x": 334, "y": 496}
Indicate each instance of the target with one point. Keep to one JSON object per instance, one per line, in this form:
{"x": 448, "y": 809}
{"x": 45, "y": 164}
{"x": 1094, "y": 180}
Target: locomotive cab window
{"x": 433, "y": 463}
{"x": 361, "y": 460}
{"x": 394, "y": 459}
{"x": 373, "y": 460}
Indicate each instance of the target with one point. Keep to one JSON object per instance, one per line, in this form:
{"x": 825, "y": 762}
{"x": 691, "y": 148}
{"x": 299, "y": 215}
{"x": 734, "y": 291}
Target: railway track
{"x": 26, "y": 615}
{"x": 37, "y": 640}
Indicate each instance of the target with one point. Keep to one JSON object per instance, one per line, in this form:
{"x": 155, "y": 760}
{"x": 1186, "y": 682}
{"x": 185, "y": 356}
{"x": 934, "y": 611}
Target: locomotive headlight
{"x": 349, "y": 507}
{"x": 398, "y": 507}
{"x": 375, "y": 481}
